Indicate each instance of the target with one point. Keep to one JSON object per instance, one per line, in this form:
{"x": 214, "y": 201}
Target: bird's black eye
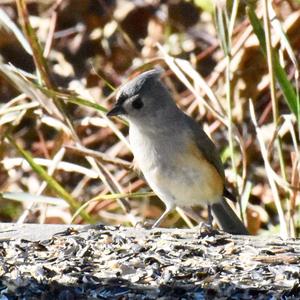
{"x": 137, "y": 103}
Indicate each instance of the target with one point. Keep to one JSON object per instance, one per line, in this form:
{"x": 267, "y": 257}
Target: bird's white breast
{"x": 175, "y": 168}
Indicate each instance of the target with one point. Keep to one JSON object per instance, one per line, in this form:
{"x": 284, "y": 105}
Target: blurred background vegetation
{"x": 231, "y": 66}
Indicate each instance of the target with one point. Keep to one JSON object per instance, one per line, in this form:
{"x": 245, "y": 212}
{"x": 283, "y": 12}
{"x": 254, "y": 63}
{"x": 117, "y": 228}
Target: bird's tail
{"x": 227, "y": 219}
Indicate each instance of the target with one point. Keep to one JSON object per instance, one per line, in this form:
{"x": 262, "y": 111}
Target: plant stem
{"x": 229, "y": 97}
{"x": 37, "y": 53}
{"x": 270, "y": 61}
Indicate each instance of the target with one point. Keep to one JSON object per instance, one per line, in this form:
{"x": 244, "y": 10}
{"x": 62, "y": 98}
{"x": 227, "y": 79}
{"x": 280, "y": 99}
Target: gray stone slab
{"x": 31, "y": 232}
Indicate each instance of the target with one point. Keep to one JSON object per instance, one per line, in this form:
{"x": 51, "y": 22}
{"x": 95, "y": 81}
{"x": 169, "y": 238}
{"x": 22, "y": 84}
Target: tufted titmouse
{"x": 179, "y": 161}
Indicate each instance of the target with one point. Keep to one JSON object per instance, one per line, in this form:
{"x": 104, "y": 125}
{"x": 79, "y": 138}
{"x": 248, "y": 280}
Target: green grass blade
{"x": 112, "y": 197}
{"x": 87, "y": 103}
{"x": 70, "y": 98}
{"x": 286, "y": 87}
{"x": 221, "y": 26}
{"x": 52, "y": 183}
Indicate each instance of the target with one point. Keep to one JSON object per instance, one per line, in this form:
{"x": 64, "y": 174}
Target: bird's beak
{"x": 116, "y": 111}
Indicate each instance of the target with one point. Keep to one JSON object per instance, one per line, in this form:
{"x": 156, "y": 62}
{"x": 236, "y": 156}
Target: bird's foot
{"x": 206, "y": 229}
{"x": 204, "y": 226}
{"x": 144, "y": 225}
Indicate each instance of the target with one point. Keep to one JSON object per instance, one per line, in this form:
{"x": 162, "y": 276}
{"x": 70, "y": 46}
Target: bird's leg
{"x": 207, "y": 226}
{"x": 169, "y": 208}
{"x": 210, "y": 216}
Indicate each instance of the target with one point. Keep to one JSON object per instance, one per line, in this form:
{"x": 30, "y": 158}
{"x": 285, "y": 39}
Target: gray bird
{"x": 179, "y": 161}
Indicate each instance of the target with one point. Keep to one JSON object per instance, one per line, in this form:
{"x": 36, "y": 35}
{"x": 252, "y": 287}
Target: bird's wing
{"x": 210, "y": 152}
{"x": 206, "y": 146}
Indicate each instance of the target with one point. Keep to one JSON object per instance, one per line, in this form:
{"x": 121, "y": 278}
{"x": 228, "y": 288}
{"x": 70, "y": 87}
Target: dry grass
{"x": 236, "y": 71}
